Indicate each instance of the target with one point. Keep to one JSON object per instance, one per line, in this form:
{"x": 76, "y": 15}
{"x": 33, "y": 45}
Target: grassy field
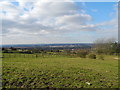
{"x": 59, "y": 72}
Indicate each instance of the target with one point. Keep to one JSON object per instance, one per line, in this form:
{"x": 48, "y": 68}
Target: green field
{"x": 55, "y": 71}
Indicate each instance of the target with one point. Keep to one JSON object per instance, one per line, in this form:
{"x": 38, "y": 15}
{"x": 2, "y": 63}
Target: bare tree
{"x": 105, "y": 45}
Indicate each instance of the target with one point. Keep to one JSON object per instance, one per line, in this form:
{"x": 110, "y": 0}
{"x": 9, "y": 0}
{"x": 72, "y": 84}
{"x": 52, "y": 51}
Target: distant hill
{"x": 48, "y": 45}
{"x": 52, "y": 46}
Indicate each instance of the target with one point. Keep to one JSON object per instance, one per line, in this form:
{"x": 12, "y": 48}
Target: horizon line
{"x": 46, "y": 43}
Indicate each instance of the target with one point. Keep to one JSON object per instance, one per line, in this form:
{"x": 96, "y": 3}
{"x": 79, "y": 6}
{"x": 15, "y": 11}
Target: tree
{"x": 115, "y": 48}
{"x": 3, "y": 48}
{"x": 12, "y": 48}
{"x": 106, "y": 46}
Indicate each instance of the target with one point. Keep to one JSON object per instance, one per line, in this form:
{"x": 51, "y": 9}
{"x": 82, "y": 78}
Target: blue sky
{"x": 58, "y": 22}
{"x": 100, "y": 11}
{"x": 15, "y": 3}
{"x": 104, "y": 10}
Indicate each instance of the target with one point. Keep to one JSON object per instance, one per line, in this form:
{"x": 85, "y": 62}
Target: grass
{"x": 59, "y": 72}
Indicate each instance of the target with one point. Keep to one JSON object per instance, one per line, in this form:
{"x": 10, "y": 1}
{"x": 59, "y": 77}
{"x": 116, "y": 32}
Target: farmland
{"x": 58, "y": 71}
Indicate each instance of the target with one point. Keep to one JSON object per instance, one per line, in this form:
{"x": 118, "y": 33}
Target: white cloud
{"x": 73, "y": 19}
{"x": 46, "y": 22}
{"x": 10, "y": 10}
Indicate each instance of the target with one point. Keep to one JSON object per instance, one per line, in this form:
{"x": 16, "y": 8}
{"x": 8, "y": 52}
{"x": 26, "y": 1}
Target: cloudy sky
{"x": 41, "y": 21}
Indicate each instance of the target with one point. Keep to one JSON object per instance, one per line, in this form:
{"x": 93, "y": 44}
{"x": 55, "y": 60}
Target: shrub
{"x": 91, "y": 56}
{"x": 101, "y": 57}
{"x": 82, "y": 54}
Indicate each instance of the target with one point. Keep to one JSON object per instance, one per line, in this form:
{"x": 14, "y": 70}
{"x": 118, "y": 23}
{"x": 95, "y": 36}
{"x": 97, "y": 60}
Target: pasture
{"x": 57, "y": 71}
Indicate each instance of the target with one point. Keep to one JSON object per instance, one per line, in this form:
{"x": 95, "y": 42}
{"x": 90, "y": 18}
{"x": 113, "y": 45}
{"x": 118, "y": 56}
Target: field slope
{"x": 59, "y": 72}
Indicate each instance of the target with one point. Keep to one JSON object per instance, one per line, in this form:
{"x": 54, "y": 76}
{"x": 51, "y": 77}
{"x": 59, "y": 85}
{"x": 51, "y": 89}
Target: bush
{"x": 82, "y": 54}
{"x": 91, "y": 56}
{"x": 101, "y": 57}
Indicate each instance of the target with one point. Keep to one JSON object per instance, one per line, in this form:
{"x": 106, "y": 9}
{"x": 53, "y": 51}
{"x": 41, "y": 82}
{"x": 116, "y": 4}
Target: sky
{"x": 43, "y": 22}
